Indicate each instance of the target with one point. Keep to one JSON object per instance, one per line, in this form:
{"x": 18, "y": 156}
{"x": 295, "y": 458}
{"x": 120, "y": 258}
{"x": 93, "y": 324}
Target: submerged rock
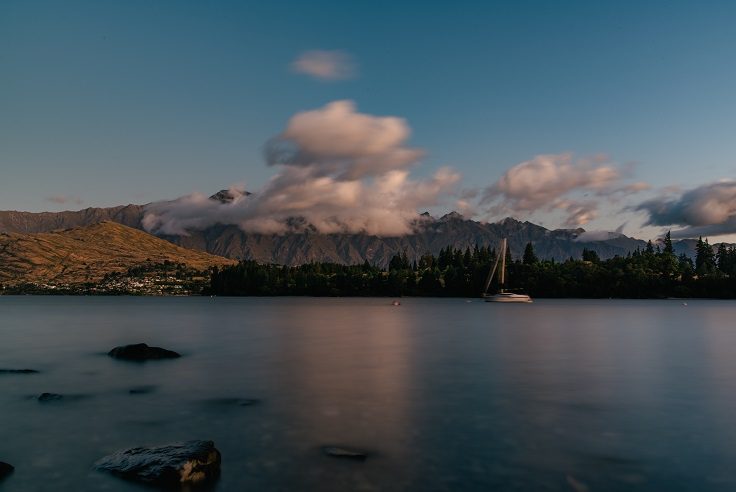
{"x": 44, "y": 397}
{"x": 141, "y": 352}
{"x": 142, "y": 390}
{"x": 183, "y": 463}
{"x": 5, "y": 469}
{"x": 234, "y": 402}
{"x": 338, "y": 452}
{"x": 52, "y": 397}
{"x": 18, "y": 371}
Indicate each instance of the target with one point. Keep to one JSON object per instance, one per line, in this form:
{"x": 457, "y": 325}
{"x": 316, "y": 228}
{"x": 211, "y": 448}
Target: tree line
{"x": 654, "y": 272}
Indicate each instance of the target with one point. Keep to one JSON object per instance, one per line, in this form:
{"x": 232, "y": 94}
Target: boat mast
{"x": 490, "y": 276}
{"x": 503, "y": 263}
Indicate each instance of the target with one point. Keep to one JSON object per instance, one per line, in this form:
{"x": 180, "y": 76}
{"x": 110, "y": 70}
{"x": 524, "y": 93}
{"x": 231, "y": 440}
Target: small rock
{"x": 52, "y": 397}
{"x": 141, "y": 352}
{"x": 172, "y": 465}
{"x": 44, "y": 397}
{"x": 337, "y": 452}
{"x": 142, "y": 390}
{"x": 18, "y": 371}
{"x": 235, "y": 402}
{"x": 5, "y": 469}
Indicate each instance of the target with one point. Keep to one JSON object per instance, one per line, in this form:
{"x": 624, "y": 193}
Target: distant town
{"x": 161, "y": 279}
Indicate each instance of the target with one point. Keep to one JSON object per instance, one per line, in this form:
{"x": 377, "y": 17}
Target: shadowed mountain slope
{"x": 429, "y": 237}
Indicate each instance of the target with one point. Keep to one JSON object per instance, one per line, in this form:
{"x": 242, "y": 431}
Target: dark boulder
{"x": 172, "y": 465}
{"x": 5, "y": 469}
{"x": 141, "y": 352}
{"x": 142, "y": 390}
{"x": 18, "y": 371}
{"x": 46, "y": 397}
{"x": 54, "y": 397}
{"x": 338, "y": 452}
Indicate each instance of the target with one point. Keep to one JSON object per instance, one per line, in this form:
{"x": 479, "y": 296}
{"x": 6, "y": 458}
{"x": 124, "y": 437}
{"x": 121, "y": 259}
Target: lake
{"x": 444, "y": 394}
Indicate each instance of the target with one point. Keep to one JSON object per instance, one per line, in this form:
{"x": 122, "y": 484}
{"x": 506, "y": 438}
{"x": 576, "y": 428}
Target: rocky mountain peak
{"x": 227, "y": 196}
{"x": 451, "y": 216}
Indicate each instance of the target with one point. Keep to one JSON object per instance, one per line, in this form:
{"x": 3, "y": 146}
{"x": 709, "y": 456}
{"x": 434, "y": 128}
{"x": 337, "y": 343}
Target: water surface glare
{"x": 444, "y": 394}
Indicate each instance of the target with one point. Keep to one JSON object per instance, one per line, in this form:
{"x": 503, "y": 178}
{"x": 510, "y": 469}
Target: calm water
{"x": 446, "y": 394}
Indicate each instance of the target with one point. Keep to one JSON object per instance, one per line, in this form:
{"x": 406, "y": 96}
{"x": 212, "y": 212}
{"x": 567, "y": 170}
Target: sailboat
{"x": 502, "y": 295}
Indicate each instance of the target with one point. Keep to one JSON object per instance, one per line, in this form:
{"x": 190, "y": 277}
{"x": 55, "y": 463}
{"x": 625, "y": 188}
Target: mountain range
{"x": 429, "y": 236}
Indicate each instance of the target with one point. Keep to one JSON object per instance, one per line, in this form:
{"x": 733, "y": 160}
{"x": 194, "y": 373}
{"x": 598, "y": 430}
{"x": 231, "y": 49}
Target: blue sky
{"x": 105, "y": 103}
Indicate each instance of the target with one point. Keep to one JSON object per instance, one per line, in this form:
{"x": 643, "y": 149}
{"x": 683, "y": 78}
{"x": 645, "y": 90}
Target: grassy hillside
{"x": 87, "y": 254}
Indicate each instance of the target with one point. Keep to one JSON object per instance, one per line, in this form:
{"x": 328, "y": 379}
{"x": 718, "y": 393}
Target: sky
{"x": 358, "y": 115}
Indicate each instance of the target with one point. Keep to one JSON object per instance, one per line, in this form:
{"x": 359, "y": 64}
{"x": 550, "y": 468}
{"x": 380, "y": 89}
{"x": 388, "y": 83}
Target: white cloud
{"x": 336, "y": 139}
{"x": 579, "y": 212}
{"x": 549, "y": 182}
{"x": 709, "y": 209}
{"x": 326, "y": 65}
{"x": 339, "y": 171}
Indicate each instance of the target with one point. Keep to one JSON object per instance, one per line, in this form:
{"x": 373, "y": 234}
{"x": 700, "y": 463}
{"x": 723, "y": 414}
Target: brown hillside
{"x": 88, "y": 253}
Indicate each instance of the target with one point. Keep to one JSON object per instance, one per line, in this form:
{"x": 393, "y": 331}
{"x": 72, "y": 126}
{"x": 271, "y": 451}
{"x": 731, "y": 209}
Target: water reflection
{"x": 443, "y": 394}
{"x": 346, "y": 380}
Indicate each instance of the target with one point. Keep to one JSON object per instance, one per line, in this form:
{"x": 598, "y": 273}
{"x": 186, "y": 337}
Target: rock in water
{"x": 43, "y": 397}
{"x": 183, "y": 463}
{"x": 53, "y": 397}
{"x": 351, "y": 454}
{"x": 141, "y": 352}
{"x": 141, "y": 390}
{"x": 235, "y": 402}
{"x": 5, "y": 469}
{"x": 18, "y": 371}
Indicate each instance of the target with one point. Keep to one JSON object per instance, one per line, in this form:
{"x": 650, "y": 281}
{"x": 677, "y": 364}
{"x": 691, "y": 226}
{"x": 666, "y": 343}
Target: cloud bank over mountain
{"x": 555, "y": 182}
{"x": 338, "y": 170}
{"x": 707, "y": 210}
{"x": 342, "y": 171}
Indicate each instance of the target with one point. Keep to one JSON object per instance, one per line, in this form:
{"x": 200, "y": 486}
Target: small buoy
{"x": 684, "y": 304}
{"x": 396, "y": 303}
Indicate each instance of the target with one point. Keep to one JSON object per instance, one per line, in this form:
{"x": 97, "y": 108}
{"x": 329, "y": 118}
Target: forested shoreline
{"x": 654, "y": 272}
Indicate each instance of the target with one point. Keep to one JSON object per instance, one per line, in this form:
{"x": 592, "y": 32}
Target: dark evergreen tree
{"x": 668, "y": 260}
{"x": 467, "y": 258}
{"x": 590, "y": 255}
{"x": 704, "y": 258}
{"x": 649, "y": 249}
{"x": 668, "y": 248}
{"x": 722, "y": 258}
{"x": 530, "y": 258}
{"x": 399, "y": 262}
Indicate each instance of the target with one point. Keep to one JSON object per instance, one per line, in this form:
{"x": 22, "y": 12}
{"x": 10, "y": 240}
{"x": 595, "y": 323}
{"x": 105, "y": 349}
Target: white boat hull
{"x": 508, "y": 297}
{"x": 502, "y": 296}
